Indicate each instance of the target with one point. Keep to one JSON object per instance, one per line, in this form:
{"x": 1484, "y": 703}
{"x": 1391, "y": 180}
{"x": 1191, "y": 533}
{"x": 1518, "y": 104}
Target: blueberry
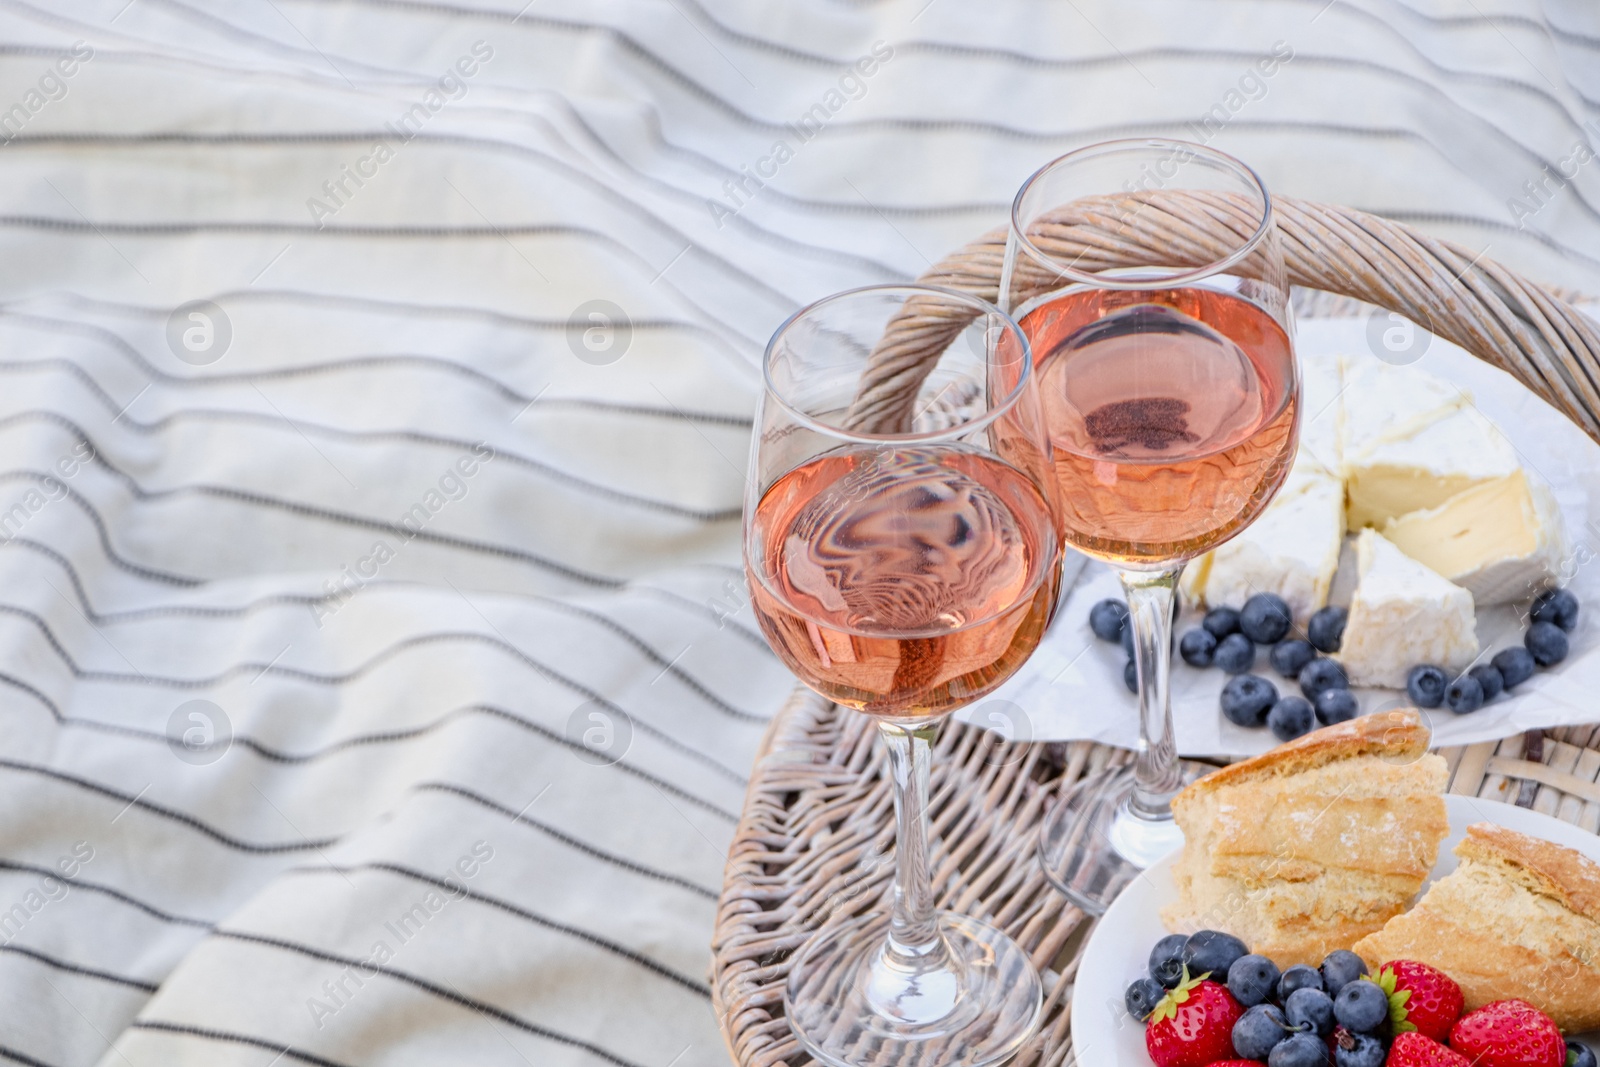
{"x": 1221, "y": 622}
{"x": 1336, "y": 705}
{"x": 1166, "y": 960}
{"x": 1235, "y": 654}
{"x": 1361, "y": 1007}
{"x": 1130, "y": 676}
{"x": 1547, "y": 642}
{"x": 1259, "y": 1031}
{"x": 1288, "y": 657}
{"x": 1515, "y": 665}
{"x": 1247, "y": 699}
{"x": 1326, "y": 628}
{"x": 1298, "y": 977}
{"x": 1579, "y": 1055}
{"x": 1127, "y": 640}
{"x": 1490, "y": 678}
{"x": 1357, "y": 1050}
{"x": 1310, "y": 1010}
{"x": 1252, "y": 980}
{"x": 1198, "y": 647}
{"x": 1212, "y": 952}
{"x": 1556, "y": 606}
{"x": 1108, "y": 619}
{"x": 1425, "y": 685}
{"x": 1464, "y": 696}
{"x": 1290, "y": 718}
{"x": 1301, "y": 1050}
{"x": 1142, "y": 997}
{"x": 1265, "y": 618}
{"x": 1340, "y": 969}
{"x": 1320, "y": 674}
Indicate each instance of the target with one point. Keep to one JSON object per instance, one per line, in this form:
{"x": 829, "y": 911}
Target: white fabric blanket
{"x": 376, "y": 681}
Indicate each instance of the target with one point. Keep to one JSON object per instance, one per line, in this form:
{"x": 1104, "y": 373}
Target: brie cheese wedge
{"x": 1502, "y": 539}
{"x": 1383, "y": 403}
{"x": 1403, "y": 614}
{"x": 1291, "y": 550}
{"x": 1394, "y": 476}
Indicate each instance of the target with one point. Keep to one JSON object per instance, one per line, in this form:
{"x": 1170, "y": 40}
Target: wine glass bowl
{"x": 902, "y": 548}
{"x": 1170, "y": 392}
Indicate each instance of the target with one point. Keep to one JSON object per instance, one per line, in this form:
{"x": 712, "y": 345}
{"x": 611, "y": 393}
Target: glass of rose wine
{"x": 903, "y": 554}
{"x": 1167, "y": 374}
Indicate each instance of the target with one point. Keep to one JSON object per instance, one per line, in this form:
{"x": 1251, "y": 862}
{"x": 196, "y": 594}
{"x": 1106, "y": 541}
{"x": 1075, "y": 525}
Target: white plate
{"x": 1119, "y": 946}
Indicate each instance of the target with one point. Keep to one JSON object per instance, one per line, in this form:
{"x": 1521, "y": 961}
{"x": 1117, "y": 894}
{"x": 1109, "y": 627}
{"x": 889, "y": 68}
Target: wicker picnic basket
{"x": 818, "y": 820}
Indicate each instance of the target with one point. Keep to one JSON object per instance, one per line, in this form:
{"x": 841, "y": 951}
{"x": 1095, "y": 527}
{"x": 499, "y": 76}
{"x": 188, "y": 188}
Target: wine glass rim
{"x": 992, "y": 411}
{"x": 1159, "y": 281}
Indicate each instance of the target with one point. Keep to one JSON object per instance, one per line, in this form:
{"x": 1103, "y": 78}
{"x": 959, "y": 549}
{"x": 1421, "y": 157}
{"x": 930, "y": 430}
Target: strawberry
{"x": 1509, "y": 1033}
{"x": 1193, "y": 1024}
{"x": 1420, "y": 999}
{"x": 1411, "y": 1049}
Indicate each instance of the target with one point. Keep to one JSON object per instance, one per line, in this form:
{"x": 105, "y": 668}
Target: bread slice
{"x": 1316, "y": 844}
{"x": 1519, "y": 918}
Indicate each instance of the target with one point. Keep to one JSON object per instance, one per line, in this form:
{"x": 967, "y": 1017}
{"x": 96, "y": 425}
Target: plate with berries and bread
{"x": 1428, "y": 548}
{"x": 1333, "y": 907}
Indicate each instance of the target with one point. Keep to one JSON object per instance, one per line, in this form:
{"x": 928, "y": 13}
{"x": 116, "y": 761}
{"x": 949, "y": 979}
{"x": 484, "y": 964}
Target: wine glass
{"x": 903, "y": 554}
{"x": 1148, "y": 278}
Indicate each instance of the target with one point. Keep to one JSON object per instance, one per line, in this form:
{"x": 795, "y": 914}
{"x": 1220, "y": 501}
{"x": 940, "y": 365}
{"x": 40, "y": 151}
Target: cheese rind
{"x": 1291, "y": 550}
{"x": 1403, "y": 614}
{"x": 1396, "y": 476}
{"x": 1502, "y": 540}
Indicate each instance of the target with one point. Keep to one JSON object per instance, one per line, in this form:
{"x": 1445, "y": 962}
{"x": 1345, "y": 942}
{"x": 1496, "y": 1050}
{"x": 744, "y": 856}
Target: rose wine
{"x": 1173, "y": 414}
{"x": 903, "y": 581}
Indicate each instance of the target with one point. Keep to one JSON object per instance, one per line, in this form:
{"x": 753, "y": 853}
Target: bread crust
{"x": 1550, "y": 869}
{"x": 1401, "y": 734}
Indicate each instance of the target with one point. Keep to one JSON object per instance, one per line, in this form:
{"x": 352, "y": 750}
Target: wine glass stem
{"x": 1157, "y": 776}
{"x": 914, "y": 941}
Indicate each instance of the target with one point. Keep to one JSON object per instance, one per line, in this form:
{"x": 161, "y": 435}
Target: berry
{"x": 1290, "y": 718}
{"x": 1556, "y": 606}
{"x": 1300, "y": 1050}
{"x": 1311, "y": 1010}
{"x": 1464, "y": 695}
{"x": 1247, "y": 699}
{"x": 1490, "y": 678}
{"x": 1298, "y": 977}
{"x": 1579, "y": 1055}
{"x": 1357, "y": 1050}
{"x": 1265, "y": 619}
{"x": 1221, "y": 622}
{"x": 1198, "y": 647}
{"x": 1193, "y": 1025}
{"x": 1515, "y": 665}
{"x": 1340, "y": 969}
{"x": 1108, "y": 619}
{"x": 1336, "y": 706}
{"x": 1166, "y": 960}
{"x": 1414, "y": 1050}
{"x": 1509, "y": 1033}
{"x": 1320, "y": 674}
{"x": 1259, "y": 1031}
{"x": 1425, "y": 685}
{"x": 1213, "y": 952}
{"x": 1142, "y": 997}
{"x": 1130, "y": 676}
{"x": 1326, "y": 628}
{"x": 1288, "y": 657}
{"x": 1547, "y": 642}
{"x": 1235, "y": 654}
{"x": 1420, "y": 998}
{"x": 1252, "y": 980}
{"x": 1361, "y": 1006}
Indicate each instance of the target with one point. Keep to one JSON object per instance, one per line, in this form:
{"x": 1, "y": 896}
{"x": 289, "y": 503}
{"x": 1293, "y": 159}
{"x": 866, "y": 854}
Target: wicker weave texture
{"x": 815, "y": 839}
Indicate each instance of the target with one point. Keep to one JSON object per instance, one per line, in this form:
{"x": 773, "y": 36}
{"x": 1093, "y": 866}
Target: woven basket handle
{"x": 1504, "y": 320}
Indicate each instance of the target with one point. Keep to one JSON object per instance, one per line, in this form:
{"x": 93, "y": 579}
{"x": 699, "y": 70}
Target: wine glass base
{"x": 1094, "y": 843}
{"x": 851, "y": 1007}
